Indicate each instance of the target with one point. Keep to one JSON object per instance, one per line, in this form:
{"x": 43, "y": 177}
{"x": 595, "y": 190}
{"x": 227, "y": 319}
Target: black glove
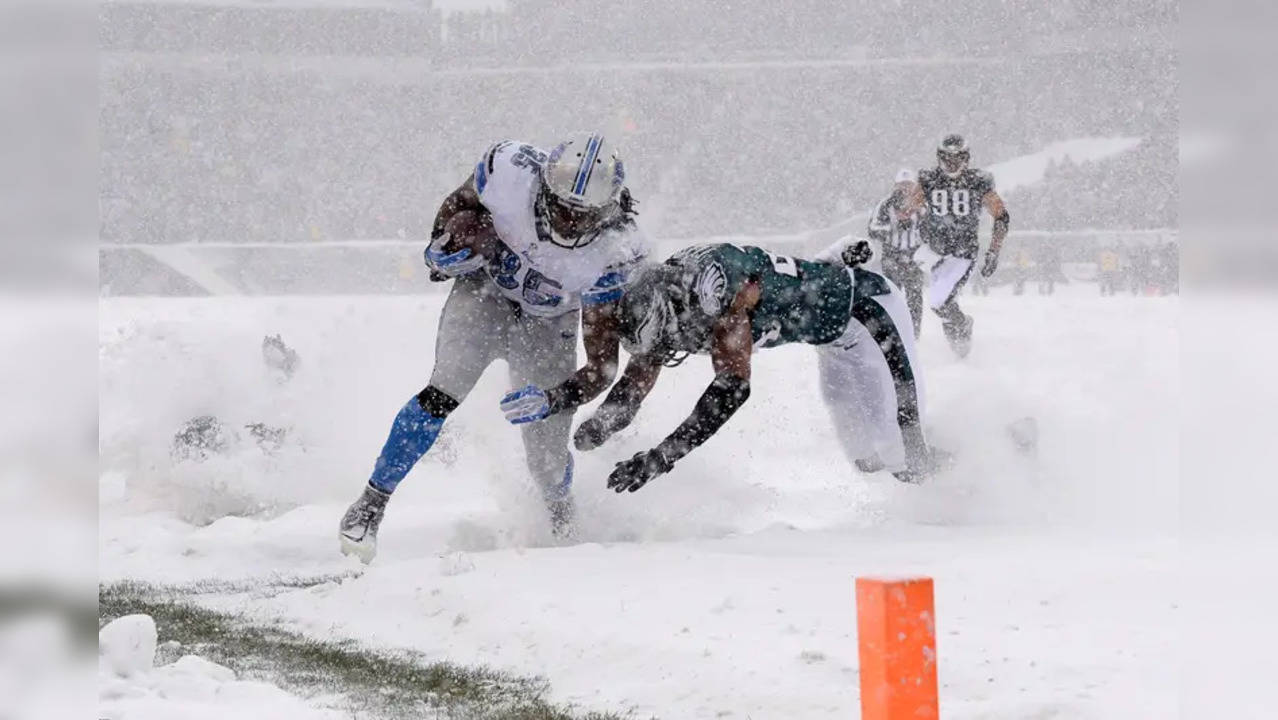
{"x": 990, "y": 264}
{"x": 590, "y": 434}
{"x": 857, "y": 253}
{"x": 634, "y": 473}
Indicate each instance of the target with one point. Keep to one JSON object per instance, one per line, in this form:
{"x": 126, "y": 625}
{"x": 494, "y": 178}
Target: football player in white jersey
{"x": 533, "y": 240}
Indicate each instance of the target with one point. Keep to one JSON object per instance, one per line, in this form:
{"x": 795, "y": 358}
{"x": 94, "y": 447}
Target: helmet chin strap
{"x": 546, "y": 229}
{"x": 564, "y": 242}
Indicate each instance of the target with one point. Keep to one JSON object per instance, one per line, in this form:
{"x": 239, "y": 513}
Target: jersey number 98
{"x": 957, "y": 202}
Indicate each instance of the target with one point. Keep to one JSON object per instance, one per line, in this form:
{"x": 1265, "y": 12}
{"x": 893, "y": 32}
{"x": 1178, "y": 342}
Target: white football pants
{"x": 870, "y": 379}
{"x": 479, "y": 326}
{"x": 947, "y": 272}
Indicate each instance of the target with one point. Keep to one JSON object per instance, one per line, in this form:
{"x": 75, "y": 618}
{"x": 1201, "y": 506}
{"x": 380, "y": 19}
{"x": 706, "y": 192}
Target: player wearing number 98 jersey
{"x": 727, "y": 300}
{"x": 532, "y": 241}
{"x": 953, "y": 195}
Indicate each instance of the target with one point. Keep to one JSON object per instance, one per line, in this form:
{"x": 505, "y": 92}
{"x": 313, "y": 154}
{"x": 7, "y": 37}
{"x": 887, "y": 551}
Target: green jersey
{"x": 801, "y": 301}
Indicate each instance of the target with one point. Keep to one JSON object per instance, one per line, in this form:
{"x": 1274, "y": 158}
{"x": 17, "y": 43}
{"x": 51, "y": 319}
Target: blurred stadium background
{"x": 302, "y": 146}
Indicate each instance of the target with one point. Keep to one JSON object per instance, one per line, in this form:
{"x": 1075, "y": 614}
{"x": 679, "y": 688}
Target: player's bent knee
{"x": 436, "y": 402}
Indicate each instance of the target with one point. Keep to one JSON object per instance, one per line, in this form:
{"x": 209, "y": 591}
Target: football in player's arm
{"x": 462, "y": 238}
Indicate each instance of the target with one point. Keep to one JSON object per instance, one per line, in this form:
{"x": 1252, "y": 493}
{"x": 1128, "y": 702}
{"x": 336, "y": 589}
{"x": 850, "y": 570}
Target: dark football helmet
{"x": 649, "y": 314}
{"x": 952, "y": 154}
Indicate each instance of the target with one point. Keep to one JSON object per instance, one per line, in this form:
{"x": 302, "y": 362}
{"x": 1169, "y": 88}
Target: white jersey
{"x": 544, "y": 278}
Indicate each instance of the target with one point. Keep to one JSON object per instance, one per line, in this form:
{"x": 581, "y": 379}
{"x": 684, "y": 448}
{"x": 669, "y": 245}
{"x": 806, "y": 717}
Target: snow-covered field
{"x": 131, "y": 686}
{"x": 721, "y": 590}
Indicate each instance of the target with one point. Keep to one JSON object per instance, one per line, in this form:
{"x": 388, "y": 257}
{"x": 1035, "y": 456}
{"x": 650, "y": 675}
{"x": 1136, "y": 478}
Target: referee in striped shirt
{"x": 894, "y": 224}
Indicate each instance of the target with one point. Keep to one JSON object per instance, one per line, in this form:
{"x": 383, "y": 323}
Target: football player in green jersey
{"x": 727, "y": 300}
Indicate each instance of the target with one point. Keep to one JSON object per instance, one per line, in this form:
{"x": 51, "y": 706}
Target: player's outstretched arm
{"x": 993, "y": 203}
{"x": 619, "y": 408}
{"x": 730, "y": 353}
{"x": 601, "y": 338}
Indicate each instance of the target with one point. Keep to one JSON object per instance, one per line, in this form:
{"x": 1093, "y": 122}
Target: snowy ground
{"x": 722, "y": 590}
{"x": 130, "y": 686}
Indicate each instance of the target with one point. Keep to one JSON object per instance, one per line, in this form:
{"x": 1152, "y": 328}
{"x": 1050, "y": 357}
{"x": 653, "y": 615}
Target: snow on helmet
{"x": 648, "y": 320}
{"x": 952, "y": 154}
{"x": 581, "y": 188}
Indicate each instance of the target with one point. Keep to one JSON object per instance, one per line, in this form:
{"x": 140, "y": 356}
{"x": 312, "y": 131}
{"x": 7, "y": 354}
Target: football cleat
{"x": 358, "y": 530}
{"x": 959, "y": 335}
{"x": 563, "y": 515}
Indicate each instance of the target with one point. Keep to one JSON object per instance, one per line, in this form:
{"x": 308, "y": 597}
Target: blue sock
{"x": 411, "y": 435}
{"x": 562, "y": 489}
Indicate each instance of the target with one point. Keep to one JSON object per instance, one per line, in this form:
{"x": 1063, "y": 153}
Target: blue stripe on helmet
{"x": 587, "y": 164}
{"x": 590, "y": 169}
{"x": 481, "y": 177}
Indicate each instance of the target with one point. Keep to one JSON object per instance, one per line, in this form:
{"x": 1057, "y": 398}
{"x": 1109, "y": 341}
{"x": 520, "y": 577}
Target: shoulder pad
{"x": 983, "y": 177}
{"x": 710, "y": 288}
{"x": 484, "y": 169}
{"x": 506, "y": 154}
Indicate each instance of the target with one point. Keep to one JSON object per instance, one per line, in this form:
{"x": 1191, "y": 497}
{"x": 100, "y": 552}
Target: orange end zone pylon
{"x": 896, "y": 634}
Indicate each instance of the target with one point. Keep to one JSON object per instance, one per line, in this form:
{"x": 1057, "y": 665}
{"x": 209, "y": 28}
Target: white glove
{"x": 527, "y": 404}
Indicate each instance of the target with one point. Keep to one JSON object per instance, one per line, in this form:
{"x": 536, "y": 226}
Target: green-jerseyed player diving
{"x": 727, "y": 300}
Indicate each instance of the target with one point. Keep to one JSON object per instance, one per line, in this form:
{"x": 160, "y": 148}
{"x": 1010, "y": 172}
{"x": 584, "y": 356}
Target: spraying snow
{"x": 733, "y": 572}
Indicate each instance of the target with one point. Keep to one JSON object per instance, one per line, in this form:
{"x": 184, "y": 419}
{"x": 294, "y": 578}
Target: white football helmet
{"x": 581, "y": 188}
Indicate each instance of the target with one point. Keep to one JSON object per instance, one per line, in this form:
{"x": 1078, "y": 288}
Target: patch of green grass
{"x": 374, "y": 683}
{"x": 268, "y": 586}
